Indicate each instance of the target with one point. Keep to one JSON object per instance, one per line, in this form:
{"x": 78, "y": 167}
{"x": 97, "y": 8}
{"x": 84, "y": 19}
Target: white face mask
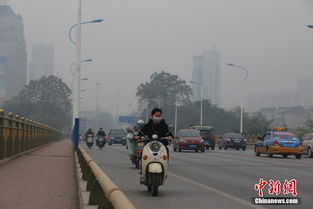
{"x": 156, "y": 119}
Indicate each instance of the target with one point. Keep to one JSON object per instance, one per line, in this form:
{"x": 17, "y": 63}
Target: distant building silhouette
{"x": 207, "y": 71}
{"x": 42, "y": 61}
{"x": 13, "y": 55}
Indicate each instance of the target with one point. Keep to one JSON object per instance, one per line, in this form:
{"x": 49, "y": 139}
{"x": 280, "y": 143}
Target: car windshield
{"x": 189, "y": 133}
{"x": 285, "y": 135}
{"x": 117, "y": 132}
{"x": 233, "y": 135}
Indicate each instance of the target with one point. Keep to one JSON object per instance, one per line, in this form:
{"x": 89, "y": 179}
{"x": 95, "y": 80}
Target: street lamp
{"x": 98, "y": 84}
{"x": 310, "y": 26}
{"x": 176, "y": 113}
{"x": 201, "y": 98}
{"x": 117, "y": 106}
{"x": 76, "y": 103}
{"x": 242, "y": 88}
{"x": 72, "y": 65}
{"x": 98, "y": 20}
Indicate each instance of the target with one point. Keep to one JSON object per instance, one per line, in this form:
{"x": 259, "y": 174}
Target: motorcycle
{"x": 154, "y": 164}
{"x": 89, "y": 140}
{"x": 100, "y": 142}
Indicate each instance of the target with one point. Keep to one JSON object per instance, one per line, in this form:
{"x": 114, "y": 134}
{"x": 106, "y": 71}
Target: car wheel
{"x": 285, "y": 155}
{"x": 196, "y": 150}
{"x": 244, "y": 149}
{"x": 237, "y": 148}
{"x": 257, "y": 153}
{"x": 225, "y": 148}
{"x": 219, "y": 147}
{"x": 310, "y": 153}
{"x": 298, "y": 156}
{"x": 203, "y": 150}
{"x": 213, "y": 148}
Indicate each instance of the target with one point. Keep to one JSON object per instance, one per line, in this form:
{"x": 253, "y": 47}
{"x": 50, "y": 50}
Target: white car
{"x": 307, "y": 141}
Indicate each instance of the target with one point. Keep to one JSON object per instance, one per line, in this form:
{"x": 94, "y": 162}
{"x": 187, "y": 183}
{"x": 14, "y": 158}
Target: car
{"x": 232, "y": 140}
{"x": 117, "y": 136}
{"x": 279, "y": 141}
{"x": 207, "y": 135}
{"x": 188, "y": 139}
{"x": 307, "y": 141}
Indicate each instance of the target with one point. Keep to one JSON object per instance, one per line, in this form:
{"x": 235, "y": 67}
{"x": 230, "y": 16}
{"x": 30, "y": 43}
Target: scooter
{"x": 89, "y": 140}
{"x": 100, "y": 142}
{"x": 134, "y": 149}
{"x": 154, "y": 164}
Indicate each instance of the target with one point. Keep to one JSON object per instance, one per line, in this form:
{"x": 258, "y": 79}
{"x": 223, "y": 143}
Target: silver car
{"x": 307, "y": 141}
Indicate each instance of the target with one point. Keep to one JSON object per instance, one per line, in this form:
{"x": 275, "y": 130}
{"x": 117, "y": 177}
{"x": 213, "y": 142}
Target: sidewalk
{"x": 44, "y": 179}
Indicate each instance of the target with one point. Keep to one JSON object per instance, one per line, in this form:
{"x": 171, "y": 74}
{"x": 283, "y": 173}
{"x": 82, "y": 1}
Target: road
{"x": 217, "y": 179}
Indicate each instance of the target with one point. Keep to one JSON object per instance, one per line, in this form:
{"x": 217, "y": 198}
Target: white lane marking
{"x": 211, "y": 189}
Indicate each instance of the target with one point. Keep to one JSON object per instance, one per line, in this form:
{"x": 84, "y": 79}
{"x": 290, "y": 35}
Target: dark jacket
{"x": 161, "y": 130}
{"x": 101, "y": 133}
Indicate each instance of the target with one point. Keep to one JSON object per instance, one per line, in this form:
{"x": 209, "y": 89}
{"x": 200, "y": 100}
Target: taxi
{"x": 279, "y": 141}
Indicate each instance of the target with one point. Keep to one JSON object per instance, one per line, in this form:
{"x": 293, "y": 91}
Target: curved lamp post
{"x": 242, "y": 88}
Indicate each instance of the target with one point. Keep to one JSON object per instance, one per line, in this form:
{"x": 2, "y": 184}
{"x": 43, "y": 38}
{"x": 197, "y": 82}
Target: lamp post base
{"x": 76, "y": 134}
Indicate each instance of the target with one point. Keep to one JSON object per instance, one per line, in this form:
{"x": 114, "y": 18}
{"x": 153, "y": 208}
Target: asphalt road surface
{"x": 216, "y": 179}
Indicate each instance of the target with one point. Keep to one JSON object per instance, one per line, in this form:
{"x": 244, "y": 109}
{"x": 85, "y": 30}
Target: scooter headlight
{"x": 155, "y": 146}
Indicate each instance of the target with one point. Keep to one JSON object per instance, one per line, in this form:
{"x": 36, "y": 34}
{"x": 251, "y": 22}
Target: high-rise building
{"x": 42, "y": 61}
{"x": 304, "y": 92}
{"x": 13, "y": 55}
{"x": 207, "y": 72}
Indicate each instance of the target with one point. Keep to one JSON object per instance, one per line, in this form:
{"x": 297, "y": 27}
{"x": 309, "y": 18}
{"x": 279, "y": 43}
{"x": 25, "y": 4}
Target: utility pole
{"x": 98, "y": 84}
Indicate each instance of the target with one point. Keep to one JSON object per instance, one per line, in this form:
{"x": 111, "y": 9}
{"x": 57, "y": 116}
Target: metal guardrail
{"x": 18, "y": 134}
{"x": 103, "y": 192}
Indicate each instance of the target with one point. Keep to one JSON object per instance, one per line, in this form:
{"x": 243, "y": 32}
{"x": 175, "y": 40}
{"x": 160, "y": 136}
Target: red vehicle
{"x": 188, "y": 139}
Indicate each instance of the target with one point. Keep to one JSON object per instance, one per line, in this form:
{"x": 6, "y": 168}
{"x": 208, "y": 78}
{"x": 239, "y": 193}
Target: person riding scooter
{"x": 133, "y": 149}
{"x": 156, "y": 125}
{"x": 89, "y": 136}
{"x": 154, "y": 157}
{"x": 101, "y": 135}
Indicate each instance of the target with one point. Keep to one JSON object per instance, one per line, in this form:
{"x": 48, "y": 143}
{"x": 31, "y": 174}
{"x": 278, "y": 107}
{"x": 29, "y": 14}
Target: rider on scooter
{"x": 100, "y": 133}
{"x": 156, "y": 125}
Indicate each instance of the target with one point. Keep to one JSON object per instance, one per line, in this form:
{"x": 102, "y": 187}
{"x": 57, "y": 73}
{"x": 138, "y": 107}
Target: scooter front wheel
{"x": 155, "y": 184}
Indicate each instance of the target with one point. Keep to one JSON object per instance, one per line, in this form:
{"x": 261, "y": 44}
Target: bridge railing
{"x": 103, "y": 192}
{"x": 18, "y": 134}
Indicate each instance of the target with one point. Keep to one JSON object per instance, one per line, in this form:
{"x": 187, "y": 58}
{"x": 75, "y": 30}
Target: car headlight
{"x": 201, "y": 141}
{"x": 155, "y": 146}
{"x": 182, "y": 140}
{"x": 112, "y": 138}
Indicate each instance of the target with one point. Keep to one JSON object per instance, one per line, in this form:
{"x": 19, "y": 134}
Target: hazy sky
{"x": 139, "y": 37}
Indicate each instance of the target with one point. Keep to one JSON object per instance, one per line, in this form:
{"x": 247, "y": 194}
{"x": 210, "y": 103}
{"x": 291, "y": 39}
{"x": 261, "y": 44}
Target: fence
{"x": 18, "y": 134}
{"x": 103, "y": 192}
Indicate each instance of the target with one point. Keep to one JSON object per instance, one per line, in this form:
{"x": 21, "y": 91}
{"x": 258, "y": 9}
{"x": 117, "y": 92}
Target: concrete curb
{"x": 6, "y": 160}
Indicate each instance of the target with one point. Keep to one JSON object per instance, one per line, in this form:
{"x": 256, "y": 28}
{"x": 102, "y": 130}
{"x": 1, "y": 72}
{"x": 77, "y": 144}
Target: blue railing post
{"x": 76, "y": 134}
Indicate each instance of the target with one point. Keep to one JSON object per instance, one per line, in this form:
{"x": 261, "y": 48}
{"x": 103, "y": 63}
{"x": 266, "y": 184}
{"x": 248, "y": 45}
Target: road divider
{"x": 100, "y": 189}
